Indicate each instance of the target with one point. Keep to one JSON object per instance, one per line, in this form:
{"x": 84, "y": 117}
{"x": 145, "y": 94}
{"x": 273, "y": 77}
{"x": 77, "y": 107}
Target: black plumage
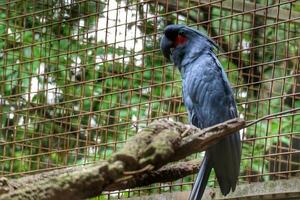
{"x": 208, "y": 99}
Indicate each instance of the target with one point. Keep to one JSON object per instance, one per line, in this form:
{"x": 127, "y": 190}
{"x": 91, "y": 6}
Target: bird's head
{"x": 180, "y": 42}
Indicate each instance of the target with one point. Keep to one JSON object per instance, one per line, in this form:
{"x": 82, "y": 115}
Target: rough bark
{"x": 167, "y": 173}
{"x": 138, "y": 163}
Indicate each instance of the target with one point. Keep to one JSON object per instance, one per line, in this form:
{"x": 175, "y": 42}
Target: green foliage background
{"x": 69, "y": 97}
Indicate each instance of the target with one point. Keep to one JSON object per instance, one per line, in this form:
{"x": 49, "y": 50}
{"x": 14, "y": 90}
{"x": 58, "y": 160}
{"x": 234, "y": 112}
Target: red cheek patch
{"x": 180, "y": 40}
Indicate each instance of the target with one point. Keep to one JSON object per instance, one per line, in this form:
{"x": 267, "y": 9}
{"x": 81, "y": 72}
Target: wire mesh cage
{"x": 78, "y": 78}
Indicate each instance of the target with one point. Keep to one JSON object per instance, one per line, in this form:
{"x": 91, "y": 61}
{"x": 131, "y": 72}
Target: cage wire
{"x": 78, "y": 78}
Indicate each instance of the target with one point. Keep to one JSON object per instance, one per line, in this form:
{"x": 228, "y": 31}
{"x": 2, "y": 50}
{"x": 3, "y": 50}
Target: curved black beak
{"x": 166, "y": 46}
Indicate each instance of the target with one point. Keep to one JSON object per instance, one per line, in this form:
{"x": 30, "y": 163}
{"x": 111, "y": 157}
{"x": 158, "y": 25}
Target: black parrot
{"x": 208, "y": 98}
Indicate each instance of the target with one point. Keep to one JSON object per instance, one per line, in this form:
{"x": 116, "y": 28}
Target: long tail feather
{"x": 201, "y": 180}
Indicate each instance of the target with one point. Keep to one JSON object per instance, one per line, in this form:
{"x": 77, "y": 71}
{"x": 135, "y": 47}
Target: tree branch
{"x": 167, "y": 173}
{"x": 138, "y": 163}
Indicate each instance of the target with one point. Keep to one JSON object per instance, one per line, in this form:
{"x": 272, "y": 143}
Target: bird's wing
{"x": 209, "y": 100}
{"x": 207, "y": 93}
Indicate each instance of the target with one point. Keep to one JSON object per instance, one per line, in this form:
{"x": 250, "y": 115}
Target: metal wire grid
{"x": 78, "y": 78}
